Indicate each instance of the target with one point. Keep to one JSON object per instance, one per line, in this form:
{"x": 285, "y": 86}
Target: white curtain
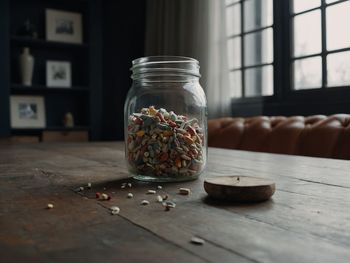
{"x": 194, "y": 28}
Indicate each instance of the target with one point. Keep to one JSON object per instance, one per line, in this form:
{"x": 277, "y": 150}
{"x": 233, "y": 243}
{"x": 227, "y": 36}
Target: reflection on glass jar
{"x": 165, "y": 120}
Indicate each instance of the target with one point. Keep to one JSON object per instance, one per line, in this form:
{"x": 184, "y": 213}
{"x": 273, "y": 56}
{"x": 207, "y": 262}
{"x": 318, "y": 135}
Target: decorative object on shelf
{"x": 58, "y": 74}
{"x": 68, "y": 120}
{"x": 27, "y": 112}
{"x": 27, "y": 30}
{"x": 64, "y": 26}
{"x": 26, "y": 66}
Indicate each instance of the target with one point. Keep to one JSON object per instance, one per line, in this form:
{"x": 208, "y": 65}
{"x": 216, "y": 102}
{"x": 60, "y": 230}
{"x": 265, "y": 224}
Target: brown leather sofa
{"x": 317, "y": 135}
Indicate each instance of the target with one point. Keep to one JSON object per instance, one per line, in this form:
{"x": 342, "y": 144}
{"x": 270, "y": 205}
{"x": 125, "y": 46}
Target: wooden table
{"x": 308, "y": 219}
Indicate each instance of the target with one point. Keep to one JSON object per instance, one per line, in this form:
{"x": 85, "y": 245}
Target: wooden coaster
{"x": 243, "y": 189}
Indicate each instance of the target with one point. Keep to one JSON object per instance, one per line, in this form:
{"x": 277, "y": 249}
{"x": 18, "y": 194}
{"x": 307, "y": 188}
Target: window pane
{"x": 257, "y": 14}
{"x": 259, "y": 81}
{"x": 302, "y": 5}
{"x": 258, "y": 47}
{"x": 234, "y": 52}
{"x": 338, "y": 69}
{"x": 236, "y": 83}
{"x": 338, "y": 21}
{"x": 233, "y": 20}
{"x": 307, "y": 33}
{"x": 307, "y": 73}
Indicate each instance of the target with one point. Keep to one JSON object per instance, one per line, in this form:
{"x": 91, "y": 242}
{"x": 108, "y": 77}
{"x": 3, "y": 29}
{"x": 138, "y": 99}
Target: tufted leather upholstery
{"x": 317, "y": 135}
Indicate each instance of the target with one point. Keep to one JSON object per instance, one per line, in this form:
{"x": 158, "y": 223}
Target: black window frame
{"x": 286, "y": 100}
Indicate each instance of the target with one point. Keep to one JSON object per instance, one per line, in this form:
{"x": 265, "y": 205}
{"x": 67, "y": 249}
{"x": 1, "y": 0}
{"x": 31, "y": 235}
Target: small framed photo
{"x": 64, "y": 26}
{"x": 58, "y": 74}
{"x": 27, "y": 112}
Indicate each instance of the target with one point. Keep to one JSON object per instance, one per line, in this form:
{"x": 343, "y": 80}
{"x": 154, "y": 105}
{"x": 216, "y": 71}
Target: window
{"x": 250, "y": 47}
{"x": 321, "y": 46}
{"x": 304, "y": 46}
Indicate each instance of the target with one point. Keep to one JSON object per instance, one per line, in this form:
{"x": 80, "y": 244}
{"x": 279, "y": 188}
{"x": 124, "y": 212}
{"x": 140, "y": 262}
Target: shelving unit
{"x": 82, "y": 98}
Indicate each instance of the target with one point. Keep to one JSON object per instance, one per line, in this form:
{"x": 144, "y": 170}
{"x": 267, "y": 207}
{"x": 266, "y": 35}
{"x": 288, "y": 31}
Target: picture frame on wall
{"x": 63, "y": 26}
{"x": 58, "y": 74}
{"x": 27, "y": 111}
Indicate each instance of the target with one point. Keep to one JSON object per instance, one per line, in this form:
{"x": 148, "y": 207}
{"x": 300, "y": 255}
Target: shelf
{"x": 34, "y": 42}
{"x": 42, "y": 89}
{"x": 52, "y": 128}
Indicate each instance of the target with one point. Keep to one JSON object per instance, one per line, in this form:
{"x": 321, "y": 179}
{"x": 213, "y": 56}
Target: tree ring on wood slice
{"x": 241, "y": 189}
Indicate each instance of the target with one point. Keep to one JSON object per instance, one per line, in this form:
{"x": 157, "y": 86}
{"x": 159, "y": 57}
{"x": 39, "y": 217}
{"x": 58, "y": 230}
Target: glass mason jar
{"x": 165, "y": 120}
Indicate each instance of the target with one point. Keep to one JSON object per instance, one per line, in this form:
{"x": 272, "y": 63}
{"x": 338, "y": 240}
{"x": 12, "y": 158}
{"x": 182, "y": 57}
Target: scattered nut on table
{"x": 184, "y": 191}
{"x": 197, "y": 241}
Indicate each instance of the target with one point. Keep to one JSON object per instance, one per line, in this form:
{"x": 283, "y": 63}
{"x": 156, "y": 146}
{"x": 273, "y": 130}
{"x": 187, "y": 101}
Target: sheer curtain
{"x": 194, "y": 28}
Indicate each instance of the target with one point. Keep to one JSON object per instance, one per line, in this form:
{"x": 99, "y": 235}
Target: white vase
{"x": 26, "y": 65}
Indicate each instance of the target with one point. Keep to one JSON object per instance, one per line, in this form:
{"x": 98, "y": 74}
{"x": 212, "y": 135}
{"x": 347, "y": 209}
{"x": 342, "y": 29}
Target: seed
{"x": 151, "y": 192}
{"x": 130, "y": 195}
{"x": 197, "y": 241}
{"x": 123, "y": 185}
{"x": 129, "y": 185}
{"x": 114, "y": 210}
{"x": 169, "y": 204}
{"x": 105, "y": 196}
{"x": 89, "y": 185}
{"x": 145, "y": 202}
{"x": 49, "y": 206}
{"x": 159, "y": 187}
{"x": 184, "y": 191}
{"x": 159, "y": 199}
{"x": 165, "y": 197}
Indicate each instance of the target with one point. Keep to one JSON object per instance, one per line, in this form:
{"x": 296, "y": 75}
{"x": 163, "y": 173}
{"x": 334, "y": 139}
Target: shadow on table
{"x": 266, "y": 205}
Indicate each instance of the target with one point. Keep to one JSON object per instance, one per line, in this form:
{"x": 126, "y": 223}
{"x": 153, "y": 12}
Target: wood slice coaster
{"x": 243, "y": 189}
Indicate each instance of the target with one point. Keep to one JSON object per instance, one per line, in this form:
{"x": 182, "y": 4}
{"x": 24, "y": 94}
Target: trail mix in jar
{"x": 162, "y": 143}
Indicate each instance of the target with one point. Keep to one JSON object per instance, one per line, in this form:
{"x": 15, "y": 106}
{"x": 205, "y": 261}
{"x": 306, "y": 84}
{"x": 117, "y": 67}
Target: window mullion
{"x": 324, "y": 48}
{"x": 242, "y": 50}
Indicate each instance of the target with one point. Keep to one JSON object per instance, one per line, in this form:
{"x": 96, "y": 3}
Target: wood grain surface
{"x": 307, "y": 219}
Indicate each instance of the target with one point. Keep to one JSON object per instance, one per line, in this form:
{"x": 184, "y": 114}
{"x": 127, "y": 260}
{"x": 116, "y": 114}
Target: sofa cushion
{"x": 317, "y": 135}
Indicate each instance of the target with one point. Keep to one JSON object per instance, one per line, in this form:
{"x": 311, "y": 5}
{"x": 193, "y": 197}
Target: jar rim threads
{"x": 164, "y": 66}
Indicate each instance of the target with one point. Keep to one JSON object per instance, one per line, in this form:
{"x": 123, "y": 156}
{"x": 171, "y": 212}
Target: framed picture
{"x": 64, "y": 26}
{"x": 58, "y": 74}
{"x": 27, "y": 112}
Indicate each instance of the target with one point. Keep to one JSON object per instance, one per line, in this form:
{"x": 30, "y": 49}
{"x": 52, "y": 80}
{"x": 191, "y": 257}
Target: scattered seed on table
{"x": 89, "y": 185}
{"x": 114, "y": 210}
{"x": 165, "y": 197}
{"x": 184, "y": 191}
{"x": 129, "y": 185}
{"x": 123, "y": 185}
{"x": 145, "y": 202}
{"x": 197, "y": 241}
{"x": 49, "y": 206}
{"x": 105, "y": 196}
{"x": 159, "y": 187}
{"x": 159, "y": 199}
{"x": 151, "y": 192}
{"x": 168, "y": 205}
{"x": 130, "y": 195}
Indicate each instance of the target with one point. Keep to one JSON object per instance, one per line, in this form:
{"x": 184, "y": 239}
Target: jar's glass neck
{"x": 165, "y": 68}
